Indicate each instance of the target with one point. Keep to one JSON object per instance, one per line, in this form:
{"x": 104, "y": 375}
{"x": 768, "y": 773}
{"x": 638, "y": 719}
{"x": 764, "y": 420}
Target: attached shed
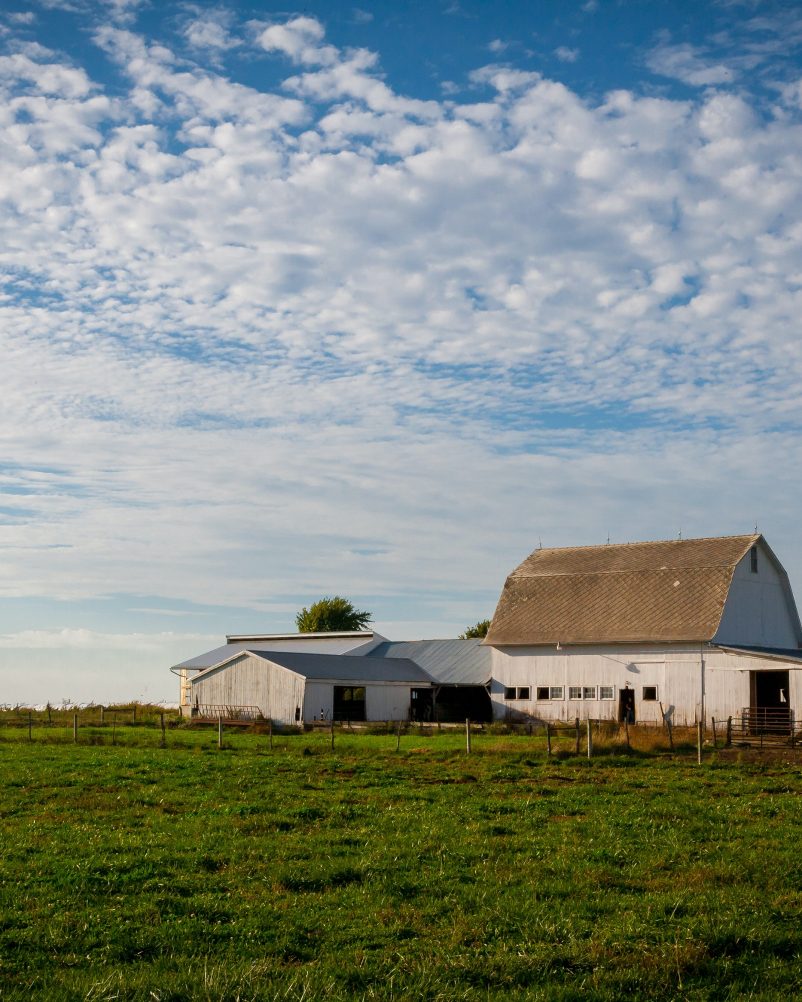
{"x": 295, "y": 687}
{"x": 322, "y": 643}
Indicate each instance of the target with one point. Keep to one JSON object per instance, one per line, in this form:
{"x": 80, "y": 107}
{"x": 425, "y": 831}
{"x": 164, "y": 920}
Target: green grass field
{"x": 135, "y": 872}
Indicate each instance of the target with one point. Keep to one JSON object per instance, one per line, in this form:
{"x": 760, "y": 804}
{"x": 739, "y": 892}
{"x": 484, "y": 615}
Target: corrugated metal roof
{"x": 780, "y": 653}
{"x": 671, "y": 590}
{"x": 210, "y": 658}
{"x": 338, "y": 643}
{"x": 348, "y": 667}
{"x": 449, "y": 662}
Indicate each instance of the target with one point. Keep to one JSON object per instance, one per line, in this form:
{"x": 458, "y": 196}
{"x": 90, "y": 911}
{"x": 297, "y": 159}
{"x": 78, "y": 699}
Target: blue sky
{"x": 371, "y": 300}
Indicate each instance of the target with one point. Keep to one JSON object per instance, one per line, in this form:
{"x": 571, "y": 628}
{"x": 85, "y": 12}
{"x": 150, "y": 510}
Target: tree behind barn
{"x": 330, "y": 615}
{"x": 477, "y": 631}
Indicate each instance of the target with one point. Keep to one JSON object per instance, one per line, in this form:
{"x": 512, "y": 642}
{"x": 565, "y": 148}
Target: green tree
{"x": 330, "y": 615}
{"x": 477, "y": 631}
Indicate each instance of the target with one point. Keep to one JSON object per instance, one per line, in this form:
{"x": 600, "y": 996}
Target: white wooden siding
{"x": 676, "y": 672}
{"x": 252, "y": 681}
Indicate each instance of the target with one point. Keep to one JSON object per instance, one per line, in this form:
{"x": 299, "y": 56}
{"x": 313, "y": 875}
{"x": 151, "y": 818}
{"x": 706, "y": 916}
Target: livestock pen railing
{"x": 227, "y": 712}
{"x": 758, "y": 725}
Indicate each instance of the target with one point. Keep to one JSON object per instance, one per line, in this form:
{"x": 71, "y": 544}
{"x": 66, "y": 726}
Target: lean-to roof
{"x": 449, "y": 662}
{"x": 666, "y": 591}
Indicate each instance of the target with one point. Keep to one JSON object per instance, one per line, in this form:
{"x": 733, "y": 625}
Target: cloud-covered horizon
{"x": 323, "y": 336}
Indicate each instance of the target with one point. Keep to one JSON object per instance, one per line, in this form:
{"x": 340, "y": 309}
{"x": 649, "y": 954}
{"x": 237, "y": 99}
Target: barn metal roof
{"x": 210, "y": 658}
{"x": 346, "y": 667}
{"x": 671, "y": 590}
{"x": 449, "y": 662}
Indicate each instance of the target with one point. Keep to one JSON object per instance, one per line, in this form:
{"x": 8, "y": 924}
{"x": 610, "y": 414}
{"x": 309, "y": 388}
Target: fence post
{"x": 102, "y": 716}
{"x": 729, "y": 732}
{"x": 626, "y": 731}
{"x": 699, "y": 732}
{"x": 75, "y": 728}
{"x": 590, "y": 740}
{"x": 164, "y": 734}
{"x": 220, "y": 731}
{"x": 548, "y": 739}
{"x": 467, "y": 736}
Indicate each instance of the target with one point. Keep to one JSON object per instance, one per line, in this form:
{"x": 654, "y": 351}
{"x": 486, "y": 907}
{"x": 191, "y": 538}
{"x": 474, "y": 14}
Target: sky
{"x": 373, "y": 301}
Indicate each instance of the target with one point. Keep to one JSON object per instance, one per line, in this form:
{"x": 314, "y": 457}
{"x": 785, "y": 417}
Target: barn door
{"x": 626, "y": 705}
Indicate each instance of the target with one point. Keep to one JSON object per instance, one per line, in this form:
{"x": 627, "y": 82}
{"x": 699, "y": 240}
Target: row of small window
{"x": 544, "y": 692}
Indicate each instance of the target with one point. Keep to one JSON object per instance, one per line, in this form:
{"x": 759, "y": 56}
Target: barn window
{"x": 650, "y": 693}
{"x": 523, "y": 692}
{"x": 556, "y": 692}
{"x": 588, "y": 691}
{"x": 543, "y": 692}
{"x": 753, "y": 559}
{"x": 575, "y": 692}
{"x": 606, "y": 692}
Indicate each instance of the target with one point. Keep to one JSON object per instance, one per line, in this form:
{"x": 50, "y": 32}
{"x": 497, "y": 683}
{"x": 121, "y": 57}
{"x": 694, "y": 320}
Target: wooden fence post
{"x": 729, "y": 733}
{"x": 467, "y": 736}
{"x": 626, "y": 731}
{"x": 75, "y": 728}
{"x": 590, "y": 740}
{"x": 548, "y": 739}
{"x": 102, "y": 716}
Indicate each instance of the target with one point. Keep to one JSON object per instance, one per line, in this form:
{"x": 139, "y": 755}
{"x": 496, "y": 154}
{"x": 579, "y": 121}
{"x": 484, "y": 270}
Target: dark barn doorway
{"x": 421, "y": 707}
{"x": 349, "y": 702}
{"x": 457, "y": 703}
{"x": 626, "y": 706}
{"x": 770, "y": 707}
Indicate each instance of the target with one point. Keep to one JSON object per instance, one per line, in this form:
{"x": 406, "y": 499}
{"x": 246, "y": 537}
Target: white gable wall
{"x": 757, "y": 611}
{"x": 252, "y": 681}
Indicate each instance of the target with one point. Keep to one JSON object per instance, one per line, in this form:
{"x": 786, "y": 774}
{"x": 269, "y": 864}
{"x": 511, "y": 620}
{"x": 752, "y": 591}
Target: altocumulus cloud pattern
{"x": 274, "y": 325}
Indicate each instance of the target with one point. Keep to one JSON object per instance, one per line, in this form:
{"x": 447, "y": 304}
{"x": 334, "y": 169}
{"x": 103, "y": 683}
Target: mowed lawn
{"x": 366, "y": 873}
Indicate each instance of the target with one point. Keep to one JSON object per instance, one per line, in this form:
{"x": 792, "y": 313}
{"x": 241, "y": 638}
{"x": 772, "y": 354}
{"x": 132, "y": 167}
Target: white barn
{"x": 695, "y": 628}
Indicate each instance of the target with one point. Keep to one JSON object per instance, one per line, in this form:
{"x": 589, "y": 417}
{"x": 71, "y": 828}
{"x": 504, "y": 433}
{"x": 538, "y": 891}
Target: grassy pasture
{"x": 135, "y": 872}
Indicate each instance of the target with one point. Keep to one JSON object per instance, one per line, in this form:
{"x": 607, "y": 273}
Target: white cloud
{"x": 566, "y": 55}
{"x": 689, "y": 64}
{"x": 300, "y": 39}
